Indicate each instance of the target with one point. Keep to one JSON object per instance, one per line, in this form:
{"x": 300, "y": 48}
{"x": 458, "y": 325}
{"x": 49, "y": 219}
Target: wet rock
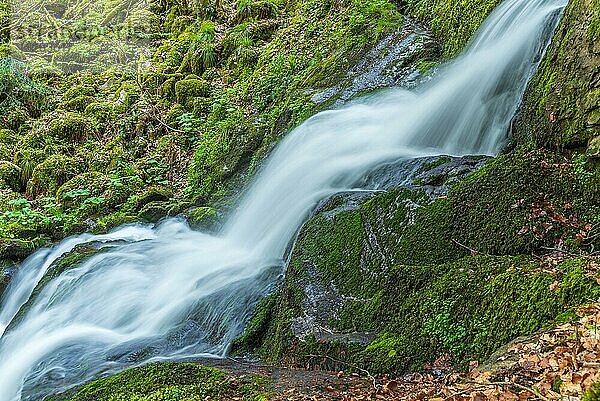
{"x": 154, "y": 194}
{"x": 203, "y": 218}
{"x": 7, "y": 269}
{"x": 392, "y": 62}
{"x": 418, "y": 182}
{"x": 18, "y": 249}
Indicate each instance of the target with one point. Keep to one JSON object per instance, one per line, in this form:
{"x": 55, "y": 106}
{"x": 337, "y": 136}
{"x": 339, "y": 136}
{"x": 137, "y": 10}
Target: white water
{"x": 172, "y": 292}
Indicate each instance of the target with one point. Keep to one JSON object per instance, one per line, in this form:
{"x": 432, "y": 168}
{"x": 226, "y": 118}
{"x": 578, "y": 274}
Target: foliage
{"x": 17, "y": 89}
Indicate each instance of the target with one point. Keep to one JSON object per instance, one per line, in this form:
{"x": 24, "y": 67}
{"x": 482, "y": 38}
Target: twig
{"x": 560, "y": 251}
{"x": 349, "y": 365}
{"x": 473, "y": 251}
{"x": 591, "y": 364}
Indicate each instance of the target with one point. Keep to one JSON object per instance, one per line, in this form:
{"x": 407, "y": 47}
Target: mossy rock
{"x": 154, "y": 194}
{"x": 84, "y": 89}
{"x": 32, "y": 149}
{"x": 154, "y": 211}
{"x": 78, "y": 103}
{"x": 401, "y": 256}
{"x": 454, "y": 22}
{"x": 72, "y": 126}
{"x": 190, "y": 88}
{"x": 10, "y": 175}
{"x": 19, "y": 249}
{"x": 8, "y": 137}
{"x": 126, "y": 96}
{"x": 203, "y": 218}
{"x": 467, "y": 309}
{"x": 99, "y": 111}
{"x": 71, "y": 193}
{"x": 16, "y": 117}
{"x": 51, "y": 174}
{"x": 170, "y": 380}
{"x": 524, "y": 201}
{"x": 94, "y": 185}
{"x": 114, "y": 220}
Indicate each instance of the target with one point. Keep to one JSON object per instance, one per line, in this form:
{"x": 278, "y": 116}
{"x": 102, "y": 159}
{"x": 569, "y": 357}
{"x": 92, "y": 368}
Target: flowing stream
{"x": 153, "y": 293}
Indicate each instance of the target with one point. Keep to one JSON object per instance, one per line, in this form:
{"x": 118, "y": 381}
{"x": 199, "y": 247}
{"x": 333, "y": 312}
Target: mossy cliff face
{"x": 392, "y": 282}
{"x": 454, "y": 22}
{"x": 399, "y": 279}
{"x": 561, "y": 109}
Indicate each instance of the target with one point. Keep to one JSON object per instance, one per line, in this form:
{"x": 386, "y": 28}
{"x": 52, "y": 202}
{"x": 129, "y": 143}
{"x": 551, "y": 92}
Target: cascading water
{"x": 171, "y": 292}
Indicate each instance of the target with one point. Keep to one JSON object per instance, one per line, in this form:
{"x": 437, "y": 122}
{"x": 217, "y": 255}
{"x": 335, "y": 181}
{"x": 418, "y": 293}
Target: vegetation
{"x": 436, "y": 257}
{"x": 170, "y": 381}
{"x": 191, "y": 96}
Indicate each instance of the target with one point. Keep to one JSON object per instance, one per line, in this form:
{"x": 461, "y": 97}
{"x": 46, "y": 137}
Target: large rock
{"x": 429, "y": 264}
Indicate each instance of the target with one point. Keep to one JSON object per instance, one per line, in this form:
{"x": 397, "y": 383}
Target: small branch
{"x": 349, "y": 365}
{"x": 473, "y": 251}
{"x": 591, "y": 364}
{"x": 560, "y": 251}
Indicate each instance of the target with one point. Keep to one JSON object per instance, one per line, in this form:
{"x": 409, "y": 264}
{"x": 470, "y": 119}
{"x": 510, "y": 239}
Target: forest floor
{"x": 560, "y": 363}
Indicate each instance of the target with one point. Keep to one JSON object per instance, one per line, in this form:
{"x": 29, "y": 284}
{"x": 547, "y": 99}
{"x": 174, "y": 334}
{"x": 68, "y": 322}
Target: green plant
{"x": 18, "y": 89}
{"x": 580, "y": 169}
{"x": 189, "y": 123}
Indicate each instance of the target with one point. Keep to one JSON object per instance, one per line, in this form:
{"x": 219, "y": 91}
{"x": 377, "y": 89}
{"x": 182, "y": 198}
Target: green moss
{"x": 114, "y": 220}
{"x": 188, "y": 89}
{"x": 203, "y": 218}
{"x": 560, "y": 109}
{"x": 166, "y": 381}
{"x": 10, "y": 176}
{"x": 467, "y": 309}
{"x": 257, "y": 328}
{"x": 454, "y": 22}
{"x": 523, "y": 201}
{"x": 31, "y": 150}
{"x": 399, "y": 258}
{"x": 72, "y": 126}
{"x": 18, "y": 249}
{"x": 8, "y": 137}
{"x": 78, "y": 103}
{"x": 271, "y": 80}
{"x": 51, "y": 174}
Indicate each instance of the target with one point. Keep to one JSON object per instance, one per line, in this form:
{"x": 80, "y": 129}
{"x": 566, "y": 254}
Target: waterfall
{"x": 169, "y": 292}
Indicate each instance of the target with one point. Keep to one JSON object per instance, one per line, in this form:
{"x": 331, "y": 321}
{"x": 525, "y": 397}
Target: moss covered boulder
{"x": 391, "y": 281}
{"x": 10, "y": 176}
{"x": 166, "y": 381}
{"x": 72, "y": 126}
{"x": 18, "y": 249}
{"x": 190, "y": 88}
{"x": 51, "y": 174}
